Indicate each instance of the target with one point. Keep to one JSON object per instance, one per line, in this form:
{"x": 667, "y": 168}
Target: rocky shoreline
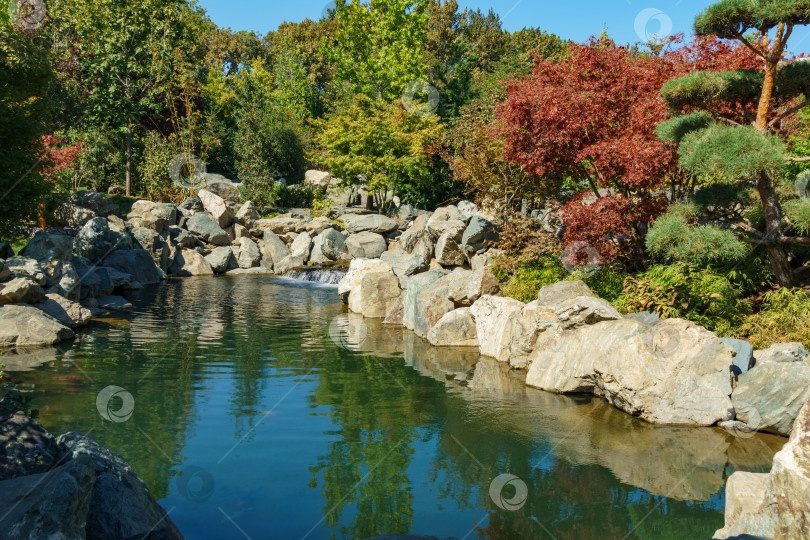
{"x": 429, "y": 273}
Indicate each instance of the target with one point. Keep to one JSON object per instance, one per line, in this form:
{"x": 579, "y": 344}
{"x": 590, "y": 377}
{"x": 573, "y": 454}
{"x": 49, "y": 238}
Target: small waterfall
{"x": 327, "y": 276}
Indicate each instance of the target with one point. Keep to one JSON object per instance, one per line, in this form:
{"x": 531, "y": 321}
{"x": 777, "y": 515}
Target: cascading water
{"x": 327, "y": 276}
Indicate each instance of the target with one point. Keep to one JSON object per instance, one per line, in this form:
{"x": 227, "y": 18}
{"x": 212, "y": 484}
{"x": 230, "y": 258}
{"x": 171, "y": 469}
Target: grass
{"x": 784, "y": 317}
{"x": 124, "y": 203}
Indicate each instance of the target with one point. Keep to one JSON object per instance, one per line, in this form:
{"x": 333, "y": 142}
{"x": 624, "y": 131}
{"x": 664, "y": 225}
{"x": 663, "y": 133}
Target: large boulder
{"x": 366, "y": 245}
{"x": 426, "y": 301}
{"x": 154, "y": 244}
{"x": 221, "y": 259}
{"x": 301, "y": 246}
{"x": 249, "y": 254}
{"x": 478, "y": 236}
{"x": 248, "y": 215}
{"x": 120, "y": 505}
{"x": 5, "y": 272}
{"x": 287, "y": 263}
{"x": 320, "y": 224}
{"x": 774, "y": 505}
{"x": 769, "y": 396}
{"x": 26, "y": 326}
{"x": 781, "y": 352}
{"x": 72, "y": 215}
{"x": 20, "y": 290}
{"x": 191, "y": 204}
{"x": 403, "y": 263}
{"x": 532, "y": 330}
{"x": 467, "y": 210}
{"x": 375, "y": 295}
{"x": 495, "y": 318}
{"x": 585, "y": 310}
{"x": 96, "y": 240}
{"x": 189, "y": 262}
{"x": 556, "y": 293}
{"x": 25, "y": 267}
{"x": 674, "y": 373}
{"x": 317, "y": 179}
{"x": 417, "y": 242}
{"x": 565, "y": 362}
{"x": 280, "y": 225}
{"x": 62, "y": 278}
{"x": 468, "y": 286}
{"x": 216, "y": 207}
{"x": 273, "y": 249}
{"x": 95, "y": 201}
{"x": 205, "y": 228}
{"x": 371, "y": 222}
{"x": 136, "y": 262}
{"x": 357, "y": 269}
{"x": 67, "y": 312}
{"x": 151, "y": 215}
{"x": 25, "y": 446}
{"x": 52, "y": 504}
{"x": 454, "y": 329}
{"x": 439, "y": 224}
{"x": 448, "y": 252}
{"x": 410, "y": 313}
{"x": 743, "y": 354}
{"x": 44, "y": 246}
{"x": 329, "y": 245}
{"x": 182, "y": 237}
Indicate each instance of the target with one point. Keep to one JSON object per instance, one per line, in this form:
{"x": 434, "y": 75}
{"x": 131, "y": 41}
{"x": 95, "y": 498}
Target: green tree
{"x": 377, "y": 49}
{"x": 25, "y": 74}
{"x": 125, "y": 49}
{"x": 734, "y": 131}
{"x": 387, "y": 145}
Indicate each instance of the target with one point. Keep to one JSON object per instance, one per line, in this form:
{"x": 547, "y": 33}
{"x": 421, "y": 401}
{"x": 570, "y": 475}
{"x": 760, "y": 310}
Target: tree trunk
{"x": 129, "y": 158}
{"x": 764, "y": 106}
{"x": 780, "y": 266}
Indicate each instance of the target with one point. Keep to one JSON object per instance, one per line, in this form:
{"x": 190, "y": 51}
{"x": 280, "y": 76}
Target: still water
{"x": 263, "y": 410}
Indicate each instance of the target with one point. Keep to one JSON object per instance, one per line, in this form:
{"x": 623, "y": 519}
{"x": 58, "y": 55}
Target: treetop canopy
{"x": 733, "y": 18}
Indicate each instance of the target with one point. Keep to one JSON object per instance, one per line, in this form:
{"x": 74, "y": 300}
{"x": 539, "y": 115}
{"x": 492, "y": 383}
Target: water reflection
{"x": 310, "y": 420}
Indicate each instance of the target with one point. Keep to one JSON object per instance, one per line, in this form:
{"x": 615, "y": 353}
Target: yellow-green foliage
{"x": 784, "y": 318}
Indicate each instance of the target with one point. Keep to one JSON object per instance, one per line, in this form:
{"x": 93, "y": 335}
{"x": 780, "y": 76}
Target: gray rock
{"x": 72, "y": 215}
{"x": 256, "y": 270}
{"x": 280, "y": 225}
{"x": 216, "y": 207}
{"x": 468, "y": 286}
{"x": 52, "y": 504}
{"x": 403, "y": 263}
{"x": 44, "y": 247}
{"x": 273, "y": 249}
{"x": 467, "y": 210}
{"x": 782, "y": 352}
{"x": 25, "y": 446}
{"x": 774, "y": 505}
{"x": 479, "y": 235}
{"x": 67, "y": 312}
{"x": 320, "y": 224}
{"x": 94, "y": 240}
{"x": 357, "y": 269}
{"x": 565, "y": 362}
{"x": 650, "y": 318}
{"x": 454, "y": 227}
{"x": 531, "y": 331}
{"x": 25, "y": 267}
{"x": 585, "y": 310}
{"x": 62, "y": 278}
{"x": 154, "y": 244}
{"x": 221, "y": 259}
{"x": 394, "y": 315}
{"x": 136, "y": 262}
{"x": 5, "y": 250}
{"x": 448, "y": 252}
{"x": 317, "y": 179}
{"x": 191, "y": 203}
{"x": 116, "y": 189}
{"x": 454, "y": 329}
{"x": 769, "y": 396}
{"x": 406, "y": 212}
{"x": 366, "y": 245}
{"x": 5, "y": 273}
{"x": 171, "y": 210}
{"x": 26, "y": 326}
{"x": 287, "y": 263}
{"x": 495, "y": 318}
{"x": 249, "y": 254}
{"x": 95, "y": 201}
{"x": 329, "y": 245}
{"x": 151, "y": 215}
{"x": 120, "y": 505}
{"x": 20, "y": 290}
{"x": 182, "y": 237}
{"x": 113, "y": 303}
{"x": 248, "y": 215}
{"x": 673, "y": 373}
{"x": 551, "y": 295}
{"x": 744, "y": 355}
{"x": 371, "y": 222}
{"x": 301, "y": 247}
{"x": 411, "y": 307}
{"x": 426, "y": 303}
{"x": 189, "y": 262}
{"x": 202, "y": 226}
{"x": 375, "y": 295}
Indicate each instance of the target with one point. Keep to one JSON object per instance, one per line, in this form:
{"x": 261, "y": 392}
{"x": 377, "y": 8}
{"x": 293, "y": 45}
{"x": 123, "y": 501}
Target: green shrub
{"x": 607, "y": 283}
{"x": 526, "y": 280}
{"x": 264, "y": 193}
{"x": 102, "y": 161}
{"x": 783, "y": 318}
{"x": 798, "y": 212}
{"x": 154, "y": 176}
{"x": 685, "y": 291}
{"x": 675, "y": 236}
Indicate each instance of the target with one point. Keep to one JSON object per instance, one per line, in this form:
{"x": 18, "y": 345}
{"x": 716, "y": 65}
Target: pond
{"x": 261, "y": 409}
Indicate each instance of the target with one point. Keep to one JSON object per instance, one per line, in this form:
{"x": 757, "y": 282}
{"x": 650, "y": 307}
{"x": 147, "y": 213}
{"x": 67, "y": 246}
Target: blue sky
{"x": 570, "y": 19}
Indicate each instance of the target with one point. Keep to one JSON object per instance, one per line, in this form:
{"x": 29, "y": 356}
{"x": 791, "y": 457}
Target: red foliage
{"x": 58, "y": 158}
{"x": 593, "y": 116}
